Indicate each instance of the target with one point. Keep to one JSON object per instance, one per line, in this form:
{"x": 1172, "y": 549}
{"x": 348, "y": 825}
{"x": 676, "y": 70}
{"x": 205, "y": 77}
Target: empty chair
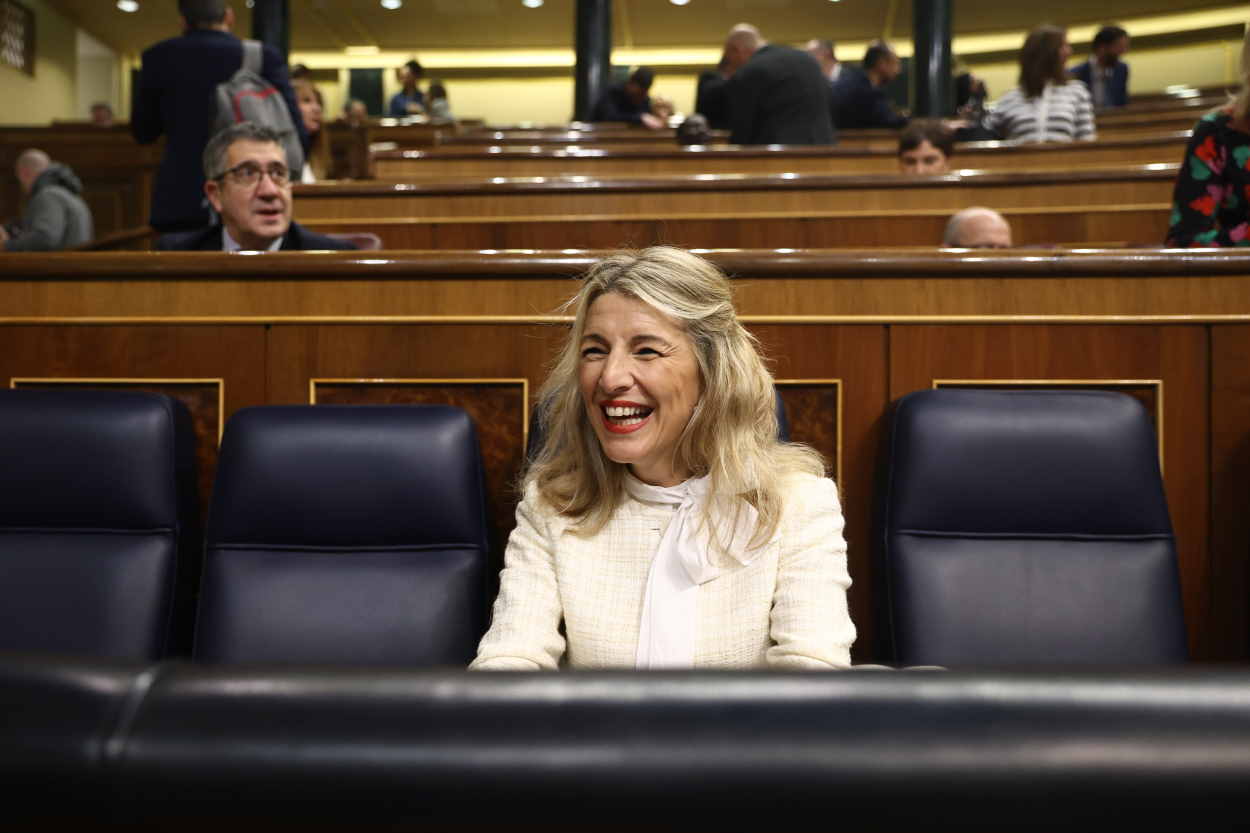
{"x": 346, "y": 535}
{"x": 1026, "y": 527}
{"x": 97, "y": 497}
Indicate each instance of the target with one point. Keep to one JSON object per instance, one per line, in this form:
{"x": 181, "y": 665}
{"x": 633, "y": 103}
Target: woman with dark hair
{"x": 1048, "y": 106}
{"x": 1211, "y": 203}
{"x": 663, "y": 524}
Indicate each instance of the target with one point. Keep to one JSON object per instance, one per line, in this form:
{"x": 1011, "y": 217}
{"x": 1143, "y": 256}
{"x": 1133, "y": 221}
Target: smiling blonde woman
{"x": 663, "y": 524}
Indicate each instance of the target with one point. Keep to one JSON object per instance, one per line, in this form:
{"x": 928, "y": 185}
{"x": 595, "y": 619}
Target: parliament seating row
{"x": 357, "y": 535}
{"x": 335, "y": 534}
{"x": 188, "y": 747}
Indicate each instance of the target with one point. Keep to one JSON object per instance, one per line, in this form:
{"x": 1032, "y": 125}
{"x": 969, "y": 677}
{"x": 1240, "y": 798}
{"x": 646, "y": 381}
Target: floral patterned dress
{"x": 1211, "y": 203}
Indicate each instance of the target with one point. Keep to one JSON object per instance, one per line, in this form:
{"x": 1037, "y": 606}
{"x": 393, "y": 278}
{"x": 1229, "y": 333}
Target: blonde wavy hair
{"x": 732, "y": 433}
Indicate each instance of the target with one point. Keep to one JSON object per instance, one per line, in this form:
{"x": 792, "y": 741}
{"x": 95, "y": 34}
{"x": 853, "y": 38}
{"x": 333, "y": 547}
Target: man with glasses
{"x": 249, "y": 186}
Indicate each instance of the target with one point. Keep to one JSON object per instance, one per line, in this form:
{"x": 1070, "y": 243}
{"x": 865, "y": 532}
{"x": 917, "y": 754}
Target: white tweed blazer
{"x": 787, "y": 608}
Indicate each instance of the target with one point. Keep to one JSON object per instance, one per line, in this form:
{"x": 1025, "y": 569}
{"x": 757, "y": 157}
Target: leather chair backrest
{"x": 347, "y": 535}
{"x": 97, "y": 492}
{"x": 1026, "y": 527}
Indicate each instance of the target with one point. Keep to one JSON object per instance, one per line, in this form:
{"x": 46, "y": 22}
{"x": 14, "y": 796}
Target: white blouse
{"x": 785, "y": 608}
{"x": 1062, "y": 113}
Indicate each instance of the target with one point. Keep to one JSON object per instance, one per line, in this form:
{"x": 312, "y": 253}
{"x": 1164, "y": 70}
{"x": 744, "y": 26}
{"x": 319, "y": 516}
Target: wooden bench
{"x": 520, "y": 160}
{"x": 848, "y": 333}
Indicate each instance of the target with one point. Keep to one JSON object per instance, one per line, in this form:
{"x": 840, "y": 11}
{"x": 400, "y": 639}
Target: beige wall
{"x": 51, "y": 92}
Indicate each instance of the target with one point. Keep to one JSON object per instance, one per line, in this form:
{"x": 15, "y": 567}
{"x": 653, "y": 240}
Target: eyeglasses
{"x": 248, "y": 174}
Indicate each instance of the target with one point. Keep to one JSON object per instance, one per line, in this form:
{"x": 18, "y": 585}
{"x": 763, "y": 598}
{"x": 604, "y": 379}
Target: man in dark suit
{"x": 249, "y": 185}
{"x": 1104, "y": 73}
{"x": 777, "y": 95}
{"x": 858, "y": 96}
{"x": 174, "y": 97}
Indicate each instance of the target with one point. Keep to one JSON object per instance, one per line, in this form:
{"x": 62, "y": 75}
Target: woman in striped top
{"x": 1047, "y": 106}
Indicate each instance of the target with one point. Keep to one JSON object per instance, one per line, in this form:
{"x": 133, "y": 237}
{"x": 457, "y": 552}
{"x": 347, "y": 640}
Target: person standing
{"x": 56, "y": 217}
{"x": 174, "y": 98}
{"x": 859, "y": 99}
{"x": 1105, "y": 73}
{"x": 777, "y": 95}
{"x": 409, "y": 101}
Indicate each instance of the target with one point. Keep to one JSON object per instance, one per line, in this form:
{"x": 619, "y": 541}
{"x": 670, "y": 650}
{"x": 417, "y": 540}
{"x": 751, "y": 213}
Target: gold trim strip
{"x": 1157, "y": 384}
{"x": 837, "y": 442}
{"x": 523, "y": 381}
{"x": 117, "y": 380}
{"x": 1238, "y": 318}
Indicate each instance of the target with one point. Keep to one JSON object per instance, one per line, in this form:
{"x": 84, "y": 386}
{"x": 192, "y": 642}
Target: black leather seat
{"x": 346, "y": 534}
{"x": 97, "y": 499}
{"x": 1026, "y": 527}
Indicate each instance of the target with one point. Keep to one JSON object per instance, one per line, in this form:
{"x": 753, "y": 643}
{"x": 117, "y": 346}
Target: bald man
{"x": 56, "y": 216}
{"x": 777, "y": 95}
{"x": 977, "y": 228}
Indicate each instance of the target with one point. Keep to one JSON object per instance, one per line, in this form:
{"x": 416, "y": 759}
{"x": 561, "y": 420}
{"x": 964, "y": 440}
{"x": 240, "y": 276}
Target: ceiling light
{"x": 392, "y": 4}
{"x": 128, "y": 5}
{"x": 531, "y": 4}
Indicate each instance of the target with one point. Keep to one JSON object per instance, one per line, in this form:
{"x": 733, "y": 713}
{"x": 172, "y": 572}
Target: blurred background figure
{"x": 970, "y": 94}
{"x": 859, "y": 97}
{"x": 102, "y": 114}
{"x": 925, "y": 149}
{"x": 409, "y": 101}
{"x": 823, "y": 52}
{"x": 777, "y": 95}
{"x": 711, "y": 95}
{"x": 1105, "y": 73}
{"x": 436, "y": 104}
{"x": 694, "y": 131}
{"x": 312, "y": 110}
{"x": 56, "y": 217}
{"x": 977, "y": 228}
{"x": 1047, "y": 106}
{"x": 629, "y": 101}
{"x": 355, "y": 113}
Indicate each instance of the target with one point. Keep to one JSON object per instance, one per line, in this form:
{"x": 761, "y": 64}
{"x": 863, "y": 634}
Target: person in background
{"x": 249, "y": 185}
{"x": 977, "y": 228}
{"x": 311, "y": 107}
{"x": 436, "y": 102}
{"x": 102, "y": 114}
{"x": 409, "y": 101}
{"x": 355, "y": 113}
{"x": 694, "y": 131}
{"x": 925, "y": 149}
{"x": 777, "y": 95}
{"x": 173, "y": 97}
{"x": 628, "y": 101}
{"x": 823, "y": 52}
{"x": 970, "y": 95}
{"x": 663, "y": 524}
{"x": 859, "y": 97}
{"x": 1047, "y": 106}
{"x": 1105, "y": 73}
{"x": 56, "y": 217}
{"x": 1211, "y": 200}
{"x": 711, "y": 98}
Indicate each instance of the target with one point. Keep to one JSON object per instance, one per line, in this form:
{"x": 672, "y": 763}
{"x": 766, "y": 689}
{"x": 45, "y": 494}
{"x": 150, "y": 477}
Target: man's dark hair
{"x": 877, "y": 52}
{"x": 414, "y": 66}
{"x": 919, "y": 132}
{"x": 1108, "y": 35}
{"x": 202, "y": 12}
{"x": 643, "y": 77}
{"x": 218, "y": 149}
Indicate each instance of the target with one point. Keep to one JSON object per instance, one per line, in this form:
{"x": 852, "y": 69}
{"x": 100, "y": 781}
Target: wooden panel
{"x": 856, "y": 357}
{"x": 1230, "y": 489}
{"x": 919, "y": 355}
{"x": 499, "y": 409}
{"x": 233, "y": 354}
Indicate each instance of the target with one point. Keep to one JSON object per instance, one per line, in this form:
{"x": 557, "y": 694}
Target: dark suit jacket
{"x": 209, "y": 239}
{"x": 174, "y": 97}
{"x": 616, "y": 105}
{"x": 712, "y": 99}
{"x": 1116, "y": 90}
{"x": 857, "y": 104}
{"x": 780, "y": 96}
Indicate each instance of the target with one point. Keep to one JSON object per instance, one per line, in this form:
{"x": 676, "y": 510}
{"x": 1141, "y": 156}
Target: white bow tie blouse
{"x": 781, "y": 605}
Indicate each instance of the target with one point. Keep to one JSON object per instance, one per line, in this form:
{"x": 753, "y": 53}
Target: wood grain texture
{"x": 1230, "y": 490}
{"x": 1175, "y": 354}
